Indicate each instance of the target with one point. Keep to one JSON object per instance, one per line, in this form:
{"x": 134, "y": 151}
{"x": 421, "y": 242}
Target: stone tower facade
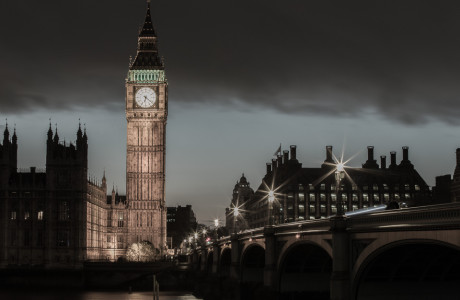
{"x": 146, "y": 114}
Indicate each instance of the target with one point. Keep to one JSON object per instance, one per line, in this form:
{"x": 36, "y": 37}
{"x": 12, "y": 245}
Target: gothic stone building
{"x": 146, "y": 114}
{"x": 56, "y": 217}
{"x": 310, "y": 193}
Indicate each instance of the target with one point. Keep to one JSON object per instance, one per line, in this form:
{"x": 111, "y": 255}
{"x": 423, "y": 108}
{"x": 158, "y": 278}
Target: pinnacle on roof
{"x": 15, "y": 137}
{"x": 6, "y": 133}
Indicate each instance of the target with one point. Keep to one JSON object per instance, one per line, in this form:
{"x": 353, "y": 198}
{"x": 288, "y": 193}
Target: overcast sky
{"x": 243, "y": 77}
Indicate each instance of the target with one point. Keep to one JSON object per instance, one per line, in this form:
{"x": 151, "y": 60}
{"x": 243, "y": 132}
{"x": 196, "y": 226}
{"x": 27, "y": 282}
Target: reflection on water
{"x": 72, "y": 295}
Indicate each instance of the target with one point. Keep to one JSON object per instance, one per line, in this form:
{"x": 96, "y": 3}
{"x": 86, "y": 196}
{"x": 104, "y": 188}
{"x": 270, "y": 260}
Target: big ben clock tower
{"x": 146, "y": 114}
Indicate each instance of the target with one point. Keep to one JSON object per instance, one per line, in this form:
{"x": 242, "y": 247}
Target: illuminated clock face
{"x": 145, "y": 97}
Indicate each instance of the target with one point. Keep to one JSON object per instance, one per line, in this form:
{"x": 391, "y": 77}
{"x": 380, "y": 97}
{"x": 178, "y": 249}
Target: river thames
{"x": 87, "y": 295}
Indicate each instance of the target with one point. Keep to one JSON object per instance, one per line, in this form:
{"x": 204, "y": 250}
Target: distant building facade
{"x": 310, "y": 193}
{"x": 242, "y": 194}
{"x": 181, "y": 223}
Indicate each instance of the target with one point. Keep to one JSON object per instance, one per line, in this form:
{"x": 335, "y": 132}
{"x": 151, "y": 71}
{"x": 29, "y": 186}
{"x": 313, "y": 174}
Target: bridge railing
{"x": 440, "y": 215}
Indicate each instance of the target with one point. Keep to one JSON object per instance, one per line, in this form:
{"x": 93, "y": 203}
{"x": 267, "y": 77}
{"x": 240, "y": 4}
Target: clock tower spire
{"x": 146, "y": 114}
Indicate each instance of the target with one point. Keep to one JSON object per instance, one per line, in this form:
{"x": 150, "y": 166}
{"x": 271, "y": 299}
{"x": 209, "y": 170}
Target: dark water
{"x": 79, "y": 295}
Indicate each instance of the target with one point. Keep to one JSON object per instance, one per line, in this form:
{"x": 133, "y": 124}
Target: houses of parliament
{"x": 57, "y": 217}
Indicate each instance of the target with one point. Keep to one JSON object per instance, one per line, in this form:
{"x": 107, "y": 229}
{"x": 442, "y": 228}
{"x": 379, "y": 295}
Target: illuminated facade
{"x": 55, "y": 217}
{"x": 310, "y": 193}
{"x": 241, "y": 196}
{"x": 146, "y": 114}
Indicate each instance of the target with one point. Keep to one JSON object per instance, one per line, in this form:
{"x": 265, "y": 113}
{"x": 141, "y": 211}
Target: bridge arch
{"x": 304, "y": 271}
{"x": 225, "y": 262}
{"x": 252, "y": 271}
{"x": 411, "y": 268}
{"x": 448, "y": 237}
{"x": 209, "y": 262}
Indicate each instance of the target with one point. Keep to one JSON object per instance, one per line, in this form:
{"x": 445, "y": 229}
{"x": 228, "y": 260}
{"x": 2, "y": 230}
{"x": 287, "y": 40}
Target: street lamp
{"x": 271, "y": 199}
{"x": 339, "y": 175}
{"x": 216, "y": 225}
{"x": 235, "y": 216}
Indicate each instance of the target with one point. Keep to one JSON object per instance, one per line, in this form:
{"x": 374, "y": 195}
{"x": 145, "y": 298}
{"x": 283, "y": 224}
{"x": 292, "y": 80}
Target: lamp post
{"x": 271, "y": 199}
{"x": 216, "y": 225}
{"x": 339, "y": 175}
{"x": 235, "y": 216}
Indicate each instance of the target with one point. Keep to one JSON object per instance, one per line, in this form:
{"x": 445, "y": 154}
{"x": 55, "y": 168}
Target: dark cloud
{"x": 398, "y": 59}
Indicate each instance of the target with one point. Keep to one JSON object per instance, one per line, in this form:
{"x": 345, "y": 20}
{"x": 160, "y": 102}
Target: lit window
{"x": 323, "y": 197}
{"x": 40, "y": 215}
{"x": 406, "y": 187}
{"x": 323, "y": 208}
{"x": 417, "y": 187}
{"x": 365, "y": 198}
{"x": 355, "y": 198}
{"x": 376, "y": 198}
{"x": 301, "y": 209}
{"x": 13, "y": 215}
{"x": 333, "y": 197}
{"x": 121, "y": 218}
{"x": 26, "y": 215}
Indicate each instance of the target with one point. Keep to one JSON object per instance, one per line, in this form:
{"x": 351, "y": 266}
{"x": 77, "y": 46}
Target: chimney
{"x": 274, "y": 164}
{"x": 329, "y": 154}
{"x": 285, "y": 156}
{"x": 280, "y": 160}
{"x": 405, "y": 161}
{"x": 405, "y": 153}
{"x": 458, "y": 156}
{"x": 383, "y": 162}
{"x": 269, "y": 167}
{"x": 370, "y": 153}
{"x": 293, "y": 152}
{"x": 393, "y": 159}
{"x": 457, "y": 167}
{"x": 33, "y": 169}
{"x": 371, "y": 162}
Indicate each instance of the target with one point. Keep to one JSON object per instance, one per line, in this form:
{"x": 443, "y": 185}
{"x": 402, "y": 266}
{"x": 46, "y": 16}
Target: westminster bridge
{"x": 403, "y": 253}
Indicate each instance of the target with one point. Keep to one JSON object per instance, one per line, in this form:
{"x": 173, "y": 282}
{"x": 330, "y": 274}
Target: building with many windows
{"x": 57, "y": 217}
{"x": 311, "y": 193}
